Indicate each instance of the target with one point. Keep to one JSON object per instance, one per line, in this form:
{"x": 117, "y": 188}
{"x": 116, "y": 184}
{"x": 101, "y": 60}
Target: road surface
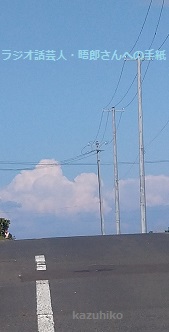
{"x": 85, "y": 284}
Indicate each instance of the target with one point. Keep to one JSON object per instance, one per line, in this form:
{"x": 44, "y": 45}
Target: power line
{"x": 128, "y": 171}
{"x": 119, "y": 80}
{"x": 135, "y": 43}
{"x": 126, "y": 106}
{"x": 162, "y": 129}
{"x": 118, "y": 83}
{"x": 158, "y": 134}
{"x": 122, "y": 70}
{"x": 127, "y": 91}
{"x": 100, "y": 123}
{"x": 77, "y": 157}
{"x": 157, "y": 161}
{"x": 163, "y": 41}
{"x": 132, "y": 50}
{"x": 154, "y": 36}
{"x": 158, "y": 22}
{"x": 121, "y": 114}
{"x": 92, "y": 164}
{"x": 90, "y": 153}
{"x": 105, "y": 128}
{"x": 44, "y": 165}
{"x": 142, "y": 26}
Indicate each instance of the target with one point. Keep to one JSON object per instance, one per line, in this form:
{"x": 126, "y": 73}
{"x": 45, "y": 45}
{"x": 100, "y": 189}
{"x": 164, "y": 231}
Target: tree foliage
{"x": 4, "y": 226}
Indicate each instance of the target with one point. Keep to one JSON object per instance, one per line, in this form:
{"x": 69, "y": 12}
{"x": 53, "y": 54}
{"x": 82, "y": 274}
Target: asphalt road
{"x": 85, "y": 284}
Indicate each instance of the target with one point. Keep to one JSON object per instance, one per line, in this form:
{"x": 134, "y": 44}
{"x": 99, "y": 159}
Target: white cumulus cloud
{"x": 46, "y": 190}
{"x": 157, "y": 192}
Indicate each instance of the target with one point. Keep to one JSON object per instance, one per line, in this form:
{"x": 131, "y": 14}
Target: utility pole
{"x": 100, "y": 196}
{"x": 116, "y": 180}
{"x": 141, "y": 153}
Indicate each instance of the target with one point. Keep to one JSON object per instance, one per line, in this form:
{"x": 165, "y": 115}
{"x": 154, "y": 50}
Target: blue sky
{"x": 50, "y": 110}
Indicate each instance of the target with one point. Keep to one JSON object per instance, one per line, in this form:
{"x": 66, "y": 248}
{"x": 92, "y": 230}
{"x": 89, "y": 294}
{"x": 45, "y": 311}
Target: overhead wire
{"x": 149, "y": 7}
{"x": 100, "y": 123}
{"x": 77, "y": 157}
{"x": 126, "y": 106}
{"x": 126, "y": 91}
{"x": 154, "y": 36}
{"x": 159, "y": 19}
{"x": 44, "y": 165}
{"x": 157, "y": 135}
{"x": 122, "y": 69}
{"x": 142, "y": 26}
{"x": 163, "y": 41}
{"x": 147, "y": 146}
{"x": 128, "y": 171}
{"x": 121, "y": 114}
{"x": 118, "y": 83}
{"x": 135, "y": 43}
{"x": 91, "y": 164}
{"x": 90, "y": 153}
{"x": 108, "y": 113}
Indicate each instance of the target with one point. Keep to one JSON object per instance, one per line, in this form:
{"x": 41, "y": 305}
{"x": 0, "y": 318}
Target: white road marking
{"x": 44, "y": 307}
{"x": 40, "y": 263}
{"x": 43, "y": 297}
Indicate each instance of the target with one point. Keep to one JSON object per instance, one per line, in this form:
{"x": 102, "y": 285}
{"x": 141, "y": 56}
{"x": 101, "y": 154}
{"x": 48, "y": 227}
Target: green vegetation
{"x": 4, "y": 226}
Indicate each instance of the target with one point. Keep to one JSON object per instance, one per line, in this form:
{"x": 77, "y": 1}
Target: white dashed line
{"x": 40, "y": 263}
{"x": 44, "y": 307}
{"x": 43, "y": 297}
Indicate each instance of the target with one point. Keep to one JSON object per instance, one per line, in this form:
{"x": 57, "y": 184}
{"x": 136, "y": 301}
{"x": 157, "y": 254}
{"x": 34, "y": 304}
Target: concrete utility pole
{"x": 100, "y": 196}
{"x": 116, "y": 180}
{"x": 141, "y": 153}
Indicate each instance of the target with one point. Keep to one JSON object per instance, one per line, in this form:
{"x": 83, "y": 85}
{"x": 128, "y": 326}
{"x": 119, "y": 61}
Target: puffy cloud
{"x": 46, "y": 190}
{"x": 157, "y": 192}
{"x": 129, "y": 194}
